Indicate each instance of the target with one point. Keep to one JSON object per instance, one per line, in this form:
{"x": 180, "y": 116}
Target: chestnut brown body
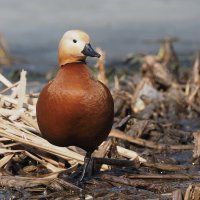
{"x": 75, "y": 109}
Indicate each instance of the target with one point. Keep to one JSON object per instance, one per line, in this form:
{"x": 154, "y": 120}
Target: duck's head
{"x": 75, "y": 47}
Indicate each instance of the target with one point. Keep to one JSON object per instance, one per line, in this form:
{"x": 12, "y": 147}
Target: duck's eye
{"x": 74, "y": 41}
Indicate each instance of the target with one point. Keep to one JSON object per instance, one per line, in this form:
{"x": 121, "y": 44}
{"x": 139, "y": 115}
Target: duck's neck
{"x": 74, "y": 73}
{"x": 73, "y": 63}
{"x": 74, "y": 69}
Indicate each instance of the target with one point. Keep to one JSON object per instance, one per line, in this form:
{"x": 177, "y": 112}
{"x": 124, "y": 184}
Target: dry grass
{"x": 20, "y": 135}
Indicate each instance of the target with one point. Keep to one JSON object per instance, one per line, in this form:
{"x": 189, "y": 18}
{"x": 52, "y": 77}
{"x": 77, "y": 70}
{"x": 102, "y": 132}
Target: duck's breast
{"x": 78, "y": 114}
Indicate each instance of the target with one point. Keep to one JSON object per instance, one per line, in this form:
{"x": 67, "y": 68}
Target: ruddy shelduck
{"x": 75, "y": 108}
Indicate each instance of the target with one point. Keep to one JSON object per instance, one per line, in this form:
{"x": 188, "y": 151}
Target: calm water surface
{"x": 33, "y": 28}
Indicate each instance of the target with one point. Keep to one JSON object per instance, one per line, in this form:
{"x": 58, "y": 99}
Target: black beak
{"x": 89, "y": 51}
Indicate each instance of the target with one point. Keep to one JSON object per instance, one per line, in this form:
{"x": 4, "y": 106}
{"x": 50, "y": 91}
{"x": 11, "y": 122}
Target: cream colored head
{"x": 75, "y": 47}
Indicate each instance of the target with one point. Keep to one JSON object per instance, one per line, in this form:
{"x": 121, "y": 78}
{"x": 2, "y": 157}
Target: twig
{"x": 149, "y": 144}
{"x": 130, "y": 154}
{"x": 103, "y": 149}
{"x": 5, "y": 159}
{"x": 196, "y": 69}
{"x": 5, "y": 81}
{"x": 109, "y": 161}
{"x": 24, "y": 182}
{"x": 136, "y": 183}
{"x": 177, "y": 195}
{"x": 44, "y": 163}
{"x": 15, "y": 102}
{"x": 192, "y": 192}
{"x": 196, "y": 153}
{"x": 21, "y": 89}
{"x": 165, "y": 167}
{"x": 166, "y": 176}
{"x": 30, "y": 121}
{"x": 101, "y": 67}
{"x": 8, "y": 88}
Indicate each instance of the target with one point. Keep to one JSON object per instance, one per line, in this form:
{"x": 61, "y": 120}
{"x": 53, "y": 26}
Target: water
{"x": 33, "y": 28}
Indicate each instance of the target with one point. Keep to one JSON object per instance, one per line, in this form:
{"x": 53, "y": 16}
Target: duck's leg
{"x": 85, "y": 166}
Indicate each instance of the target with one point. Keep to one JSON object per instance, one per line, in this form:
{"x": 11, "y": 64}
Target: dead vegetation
{"x": 148, "y": 154}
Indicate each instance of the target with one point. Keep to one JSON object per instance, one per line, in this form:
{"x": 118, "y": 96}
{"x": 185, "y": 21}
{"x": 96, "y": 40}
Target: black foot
{"x": 81, "y": 184}
{"x": 85, "y": 167}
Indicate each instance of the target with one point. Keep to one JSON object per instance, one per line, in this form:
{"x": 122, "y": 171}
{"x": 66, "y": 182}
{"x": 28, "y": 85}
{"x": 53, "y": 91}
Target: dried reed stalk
{"x": 143, "y": 142}
{"x": 196, "y": 153}
{"x": 196, "y": 69}
{"x": 101, "y": 67}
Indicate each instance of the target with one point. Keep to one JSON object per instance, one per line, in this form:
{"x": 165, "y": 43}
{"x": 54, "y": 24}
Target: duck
{"x": 75, "y": 109}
